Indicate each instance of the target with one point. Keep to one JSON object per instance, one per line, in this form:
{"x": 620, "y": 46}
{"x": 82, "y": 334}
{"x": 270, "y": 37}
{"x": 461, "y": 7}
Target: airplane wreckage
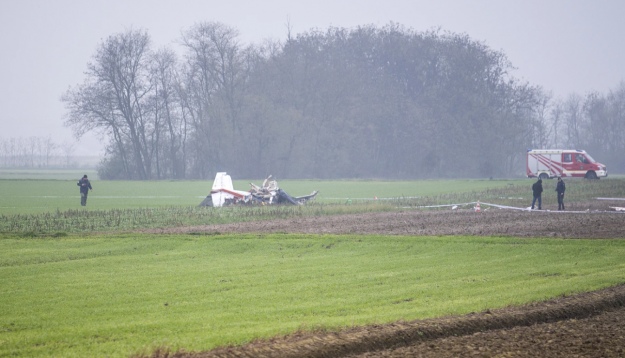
{"x": 224, "y": 194}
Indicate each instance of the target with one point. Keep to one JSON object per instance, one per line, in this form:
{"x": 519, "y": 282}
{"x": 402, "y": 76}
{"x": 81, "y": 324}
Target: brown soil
{"x": 585, "y": 325}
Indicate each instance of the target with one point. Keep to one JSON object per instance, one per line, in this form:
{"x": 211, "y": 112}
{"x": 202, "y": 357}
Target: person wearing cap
{"x": 537, "y": 190}
{"x": 560, "y": 188}
{"x": 85, "y": 186}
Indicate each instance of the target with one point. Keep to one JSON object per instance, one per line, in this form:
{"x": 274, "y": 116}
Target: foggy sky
{"x": 565, "y": 46}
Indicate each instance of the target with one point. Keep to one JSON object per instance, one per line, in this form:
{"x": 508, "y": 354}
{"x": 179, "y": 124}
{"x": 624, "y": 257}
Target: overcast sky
{"x": 565, "y": 46}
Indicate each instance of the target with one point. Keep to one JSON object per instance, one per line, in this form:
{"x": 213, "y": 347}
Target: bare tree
{"x": 49, "y": 149}
{"x": 573, "y": 118}
{"x": 168, "y": 112}
{"x": 213, "y": 83}
{"x": 556, "y": 115}
{"x": 113, "y": 98}
{"x": 542, "y": 128}
{"x": 68, "y": 148}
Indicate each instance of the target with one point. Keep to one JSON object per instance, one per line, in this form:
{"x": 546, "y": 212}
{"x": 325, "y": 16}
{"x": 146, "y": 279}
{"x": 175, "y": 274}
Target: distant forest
{"x": 367, "y": 102}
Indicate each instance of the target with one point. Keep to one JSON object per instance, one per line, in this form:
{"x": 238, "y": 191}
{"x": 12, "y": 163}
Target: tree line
{"x": 367, "y": 102}
{"x": 35, "y": 152}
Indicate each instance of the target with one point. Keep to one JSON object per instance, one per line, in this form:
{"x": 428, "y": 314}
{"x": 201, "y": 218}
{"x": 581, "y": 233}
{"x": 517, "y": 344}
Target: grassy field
{"x": 27, "y": 206}
{"x": 28, "y": 196}
{"x": 119, "y": 295}
{"x": 76, "y": 282}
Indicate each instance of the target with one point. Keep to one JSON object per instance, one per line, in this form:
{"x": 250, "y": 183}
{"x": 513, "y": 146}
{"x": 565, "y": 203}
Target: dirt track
{"x": 597, "y": 223}
{"x": 586, "y": 325}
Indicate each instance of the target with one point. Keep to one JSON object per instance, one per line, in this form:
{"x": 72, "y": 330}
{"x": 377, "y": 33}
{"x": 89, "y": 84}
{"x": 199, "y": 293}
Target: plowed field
{"x": 586, "y": 325}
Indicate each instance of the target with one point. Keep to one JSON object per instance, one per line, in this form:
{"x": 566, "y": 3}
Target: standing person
{"x": 85, "y": 186}
{"x": 560, "y": 188}
{"x": 537, "y": 190}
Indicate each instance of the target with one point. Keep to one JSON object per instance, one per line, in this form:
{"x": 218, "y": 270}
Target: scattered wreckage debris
{"x": 224, "y": 194}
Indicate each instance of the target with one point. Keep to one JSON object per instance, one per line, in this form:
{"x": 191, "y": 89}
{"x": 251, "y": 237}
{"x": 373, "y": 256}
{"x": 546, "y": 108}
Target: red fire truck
{"x": 550, "y": 163}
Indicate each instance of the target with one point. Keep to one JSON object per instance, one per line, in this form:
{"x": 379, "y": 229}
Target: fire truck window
{"x": 567, "y": 158}
{"x": 580, "y": 158}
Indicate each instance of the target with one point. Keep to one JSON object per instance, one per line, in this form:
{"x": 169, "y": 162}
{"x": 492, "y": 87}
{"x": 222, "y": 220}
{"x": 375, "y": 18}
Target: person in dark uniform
{"x": 537, "y": 190}
{"x": 85, "y": 186}
{"x": 560, "y": 188}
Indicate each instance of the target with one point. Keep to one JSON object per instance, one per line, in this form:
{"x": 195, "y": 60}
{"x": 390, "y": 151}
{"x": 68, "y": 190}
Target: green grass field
{"x": 77, "y": 282}
{"x": 119, "y": 295}
{"x": 39, "y": 196}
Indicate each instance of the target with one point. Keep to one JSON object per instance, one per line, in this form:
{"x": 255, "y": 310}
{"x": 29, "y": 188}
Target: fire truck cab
{"x": 550, "y": 163}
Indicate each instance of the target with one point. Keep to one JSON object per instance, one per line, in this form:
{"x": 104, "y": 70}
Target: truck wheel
{"x": 591, "y": 175}
{"x": 543, "y": 176}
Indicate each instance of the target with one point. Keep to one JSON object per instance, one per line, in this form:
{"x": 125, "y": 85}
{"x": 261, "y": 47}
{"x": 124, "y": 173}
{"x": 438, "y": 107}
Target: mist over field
{"x": 405, "y": 90}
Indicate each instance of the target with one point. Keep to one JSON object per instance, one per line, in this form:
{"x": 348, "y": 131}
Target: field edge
{"x": 400, "y": 334}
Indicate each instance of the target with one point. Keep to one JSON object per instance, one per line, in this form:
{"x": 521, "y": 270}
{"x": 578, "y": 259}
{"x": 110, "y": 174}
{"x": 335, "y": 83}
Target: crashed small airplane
{"x": 224, "y": 194}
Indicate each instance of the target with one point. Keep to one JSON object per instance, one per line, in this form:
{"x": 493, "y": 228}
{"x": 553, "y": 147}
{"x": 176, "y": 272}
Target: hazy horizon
{"x": 563, "y": 46}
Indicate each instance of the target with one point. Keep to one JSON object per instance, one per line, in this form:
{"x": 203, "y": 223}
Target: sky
{"x": 564, "y": 46}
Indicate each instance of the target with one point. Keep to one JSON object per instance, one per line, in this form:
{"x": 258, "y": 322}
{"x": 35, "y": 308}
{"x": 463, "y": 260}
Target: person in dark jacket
{"x": 560, "y": 188}
{"x": 85, "y": 186}
{"x": 537, "y": 189}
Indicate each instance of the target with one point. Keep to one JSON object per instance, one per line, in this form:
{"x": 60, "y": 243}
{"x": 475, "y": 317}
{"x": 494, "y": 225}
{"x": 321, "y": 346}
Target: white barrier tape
{"x": 616, "y": 209}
